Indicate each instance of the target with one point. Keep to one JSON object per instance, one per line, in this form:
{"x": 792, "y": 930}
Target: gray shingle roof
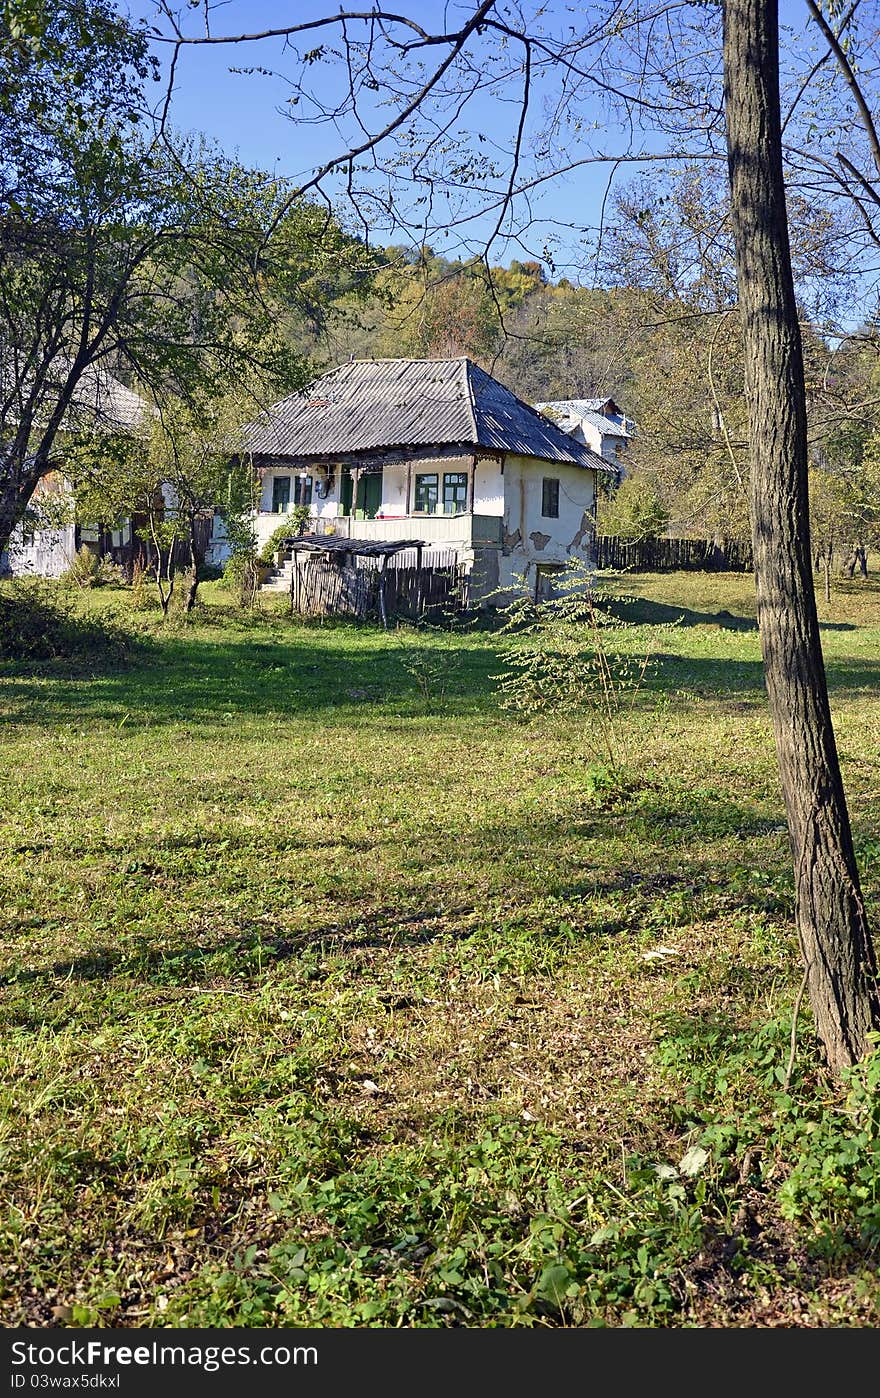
{"x": 385, "y": 404}
{"x": 99, "y": 399}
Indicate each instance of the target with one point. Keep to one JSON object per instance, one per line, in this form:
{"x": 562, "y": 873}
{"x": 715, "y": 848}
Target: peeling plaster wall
{"x": 547, "y": 540}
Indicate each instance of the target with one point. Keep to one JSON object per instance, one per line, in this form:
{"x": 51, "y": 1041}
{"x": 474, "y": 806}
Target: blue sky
{"x": 244, "y": 114}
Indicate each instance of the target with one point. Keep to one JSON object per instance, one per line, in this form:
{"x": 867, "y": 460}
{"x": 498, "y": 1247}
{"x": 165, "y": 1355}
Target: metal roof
{"x": 381, "y": 404}
{"x": 369, "y": 548}
{"x": 98, "y": 400}
{"x": 570, "y": 412}
{"x": 103, "y": 400}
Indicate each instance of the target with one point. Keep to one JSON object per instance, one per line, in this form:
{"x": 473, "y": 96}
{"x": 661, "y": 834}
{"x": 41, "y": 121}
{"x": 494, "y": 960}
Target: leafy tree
{"x": 155, "y": 259}
{"x": 635, "y": 510}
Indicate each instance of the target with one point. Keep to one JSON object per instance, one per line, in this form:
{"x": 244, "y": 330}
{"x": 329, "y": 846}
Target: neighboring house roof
{"x": 387, "y": 404}
{"x": 601, "y": 413}
{"x": 99, "y": 399}
{"x": 102, "y": 399}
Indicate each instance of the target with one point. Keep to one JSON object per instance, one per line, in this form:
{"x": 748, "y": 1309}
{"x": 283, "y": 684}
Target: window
{"x": 426, "y": 494}
{"x": 454, "y": 492}
{"x": 550, "y": 498}
{"x": 302, "y": 490}
{"x": 281, "y": 495}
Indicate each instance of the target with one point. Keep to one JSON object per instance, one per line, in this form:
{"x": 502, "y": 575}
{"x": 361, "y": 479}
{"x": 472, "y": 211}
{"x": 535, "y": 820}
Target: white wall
{"x": 394, "y": 491}
{"x": 488, "y": 487}
{"x": 523, "y": 489}
{"x": 47, "y": 553}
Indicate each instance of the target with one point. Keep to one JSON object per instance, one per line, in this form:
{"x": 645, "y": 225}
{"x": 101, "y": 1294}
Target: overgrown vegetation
{"x": 39, "y": 622}
{"x": 324, "y": 1004}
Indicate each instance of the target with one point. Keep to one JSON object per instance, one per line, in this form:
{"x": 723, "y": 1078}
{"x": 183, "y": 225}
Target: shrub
{"x": 88, "y": 570}
{"x": 37, "y": 622}
{"x": 275, "y": 540}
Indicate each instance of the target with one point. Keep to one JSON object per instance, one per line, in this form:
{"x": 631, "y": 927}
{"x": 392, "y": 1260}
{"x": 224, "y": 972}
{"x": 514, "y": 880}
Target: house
{"x": 434, "y": 450}
{"x": 597, "y": 422}
{"x": 47, "y": 550}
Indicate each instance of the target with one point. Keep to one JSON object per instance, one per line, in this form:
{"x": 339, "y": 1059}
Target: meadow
{"x": 334, "y": 993}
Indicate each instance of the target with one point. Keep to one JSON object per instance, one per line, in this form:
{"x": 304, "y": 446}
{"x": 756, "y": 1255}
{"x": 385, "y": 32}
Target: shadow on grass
{"x": 596, "y": 903}
{"x": 203, "y": 680}
{"x": 193, "y": 680}
{"x": 642, "y": 611}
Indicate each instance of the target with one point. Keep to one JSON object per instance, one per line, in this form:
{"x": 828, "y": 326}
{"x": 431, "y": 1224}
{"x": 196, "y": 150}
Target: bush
{"x": 37, "y": 622}
{"x": 88, "y": 570}
{"x": 287, "y": 530}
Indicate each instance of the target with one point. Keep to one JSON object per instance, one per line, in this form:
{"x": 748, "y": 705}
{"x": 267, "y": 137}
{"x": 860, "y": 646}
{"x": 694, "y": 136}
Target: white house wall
{"x": 544, "y": 539}
{"x": 488, "y": 487}
{"x": 47, "y": 553}
{"x": 510, "y": 490}
{"x": 394, "y": 491}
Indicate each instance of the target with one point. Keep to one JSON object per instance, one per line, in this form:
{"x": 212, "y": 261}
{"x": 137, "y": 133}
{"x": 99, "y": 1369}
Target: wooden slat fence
{"x": 671, "y": 555}
{"x": 323, "y": 587}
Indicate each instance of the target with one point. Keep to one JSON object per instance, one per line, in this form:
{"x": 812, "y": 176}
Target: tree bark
{"x": 832, "y": 923}
{"x": 193, "y": 587}
{"x": 15, "y": 496}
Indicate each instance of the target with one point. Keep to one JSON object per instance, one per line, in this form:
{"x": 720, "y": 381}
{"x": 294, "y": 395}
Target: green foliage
{"x": 834, "y": 1185}
{"x": 635, "y": 510}
{"x": 567, "y": 659}
{"x": 195, "y": 279}
{"x": 38, "y": 622}
{"x": 88, "y": 569}
{"x": 292, "y": 525}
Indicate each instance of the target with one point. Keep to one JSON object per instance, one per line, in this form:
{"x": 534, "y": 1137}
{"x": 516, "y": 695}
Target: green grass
{"x": 333, "y": 994}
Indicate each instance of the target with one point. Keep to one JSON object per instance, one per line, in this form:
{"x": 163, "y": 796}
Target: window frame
{"x": 280, "y": 507}
{"x": 461, "y": 477}
{"x": 550, "y": 497}
{"x": 303, "y": 488}
{"x": 423, "y": 508}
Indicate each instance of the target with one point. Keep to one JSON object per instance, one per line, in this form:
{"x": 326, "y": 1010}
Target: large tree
{"x": 124, "y": 250}
{"x": 832, "y": 923}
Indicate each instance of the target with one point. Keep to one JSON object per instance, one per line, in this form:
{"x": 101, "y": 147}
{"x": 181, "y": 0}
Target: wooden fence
{"x": 670, "y": 555}
{"x": 322, "y": 586}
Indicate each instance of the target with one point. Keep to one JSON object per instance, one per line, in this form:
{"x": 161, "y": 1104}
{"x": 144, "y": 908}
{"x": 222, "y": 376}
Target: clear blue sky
{"x": 245, "y": 114}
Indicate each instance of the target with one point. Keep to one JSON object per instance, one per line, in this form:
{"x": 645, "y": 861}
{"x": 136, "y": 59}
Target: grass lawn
{"x": 335, "y": 994}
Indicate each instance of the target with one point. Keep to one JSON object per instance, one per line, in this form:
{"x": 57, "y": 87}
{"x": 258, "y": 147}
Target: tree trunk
{"x": 192, "y": 589}
{"x": 827, "y": 567}
{"x": 15, "y": 496}
{"x": 832, "y": 924}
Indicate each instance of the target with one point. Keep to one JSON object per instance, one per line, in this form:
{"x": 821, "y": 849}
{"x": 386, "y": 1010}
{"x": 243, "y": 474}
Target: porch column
{"x": 409, "y": 476}
{"x": 355, "y": 481}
